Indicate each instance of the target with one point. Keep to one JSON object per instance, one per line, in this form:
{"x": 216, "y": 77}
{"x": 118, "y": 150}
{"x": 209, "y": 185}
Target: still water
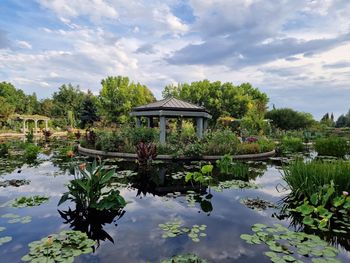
{"x": 134, "y": 234}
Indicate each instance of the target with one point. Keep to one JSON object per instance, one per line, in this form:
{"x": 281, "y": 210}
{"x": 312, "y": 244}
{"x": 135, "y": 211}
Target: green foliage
{"x": 110, "y": 141}
{"x": 234, "y": 184}
{"x": 248, "y": 148}
{"x": 203, "y": 176}
{"x": 220, "y": 99}
{"x": 118, "y": 96}
{"x": 4, "y": 149}
{"x": 30, "y": 136}
{"x": 31, "y": 152}
{"x": 221, "y": 142}
{"x": 186, "y": 258}
{"x": 68, "y": 98}
{"x": 286, "y": 246}
{"x": 237, "y": 170}
{"x": 292, "y": 144}
{"x": 88, "y": 111}
{"x": 288, "y": 119}
{"x": 257, "y": 203}
{"x": 59, "y": 248}
{"x": 30, "y": 201}
{"x": 88, "y": 189}
{"x": 194, "y": 150}
{"x": 142, "y": 134}
{"x": 332, "y": 146}
{"x": 304, "y": 179}
{"x": 174, "y": 228}
{"x": 13, "y": 218}
{"x": 266, "y": 145}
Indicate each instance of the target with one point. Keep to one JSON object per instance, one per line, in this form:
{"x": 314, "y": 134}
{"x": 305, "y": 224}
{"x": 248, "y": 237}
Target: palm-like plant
{"x": 88, "y": 189}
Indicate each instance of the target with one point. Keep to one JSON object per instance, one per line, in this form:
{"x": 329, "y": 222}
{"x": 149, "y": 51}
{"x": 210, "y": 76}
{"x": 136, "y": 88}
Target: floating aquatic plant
{"x": 175, "y": 228}
{"x": 13, "y": 218}
{"x": 62, "y": 247}
{"x": 178, "y": 175}
{"x": 289, "y": 246}
{"x": 185, "y": 258}
{"x": 234, "y": 184}
{"x": 257, "y": 203}
{"x": 5, "y": 239}
{"x": 29, "y": 201}
{"x": 14, "y": 182}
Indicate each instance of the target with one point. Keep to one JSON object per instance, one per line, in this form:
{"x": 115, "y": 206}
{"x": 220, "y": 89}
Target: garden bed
{"x": 96, "y": 153}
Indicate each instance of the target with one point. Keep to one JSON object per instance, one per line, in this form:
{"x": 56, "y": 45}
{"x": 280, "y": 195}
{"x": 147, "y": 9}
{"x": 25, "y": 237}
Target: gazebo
{"x": 172, "y": 108}
{"x": 35, "y": 118}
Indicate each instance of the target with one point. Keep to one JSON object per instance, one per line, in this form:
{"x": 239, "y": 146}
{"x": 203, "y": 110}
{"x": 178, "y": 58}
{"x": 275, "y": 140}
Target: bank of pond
{"x": 60, "y": 206}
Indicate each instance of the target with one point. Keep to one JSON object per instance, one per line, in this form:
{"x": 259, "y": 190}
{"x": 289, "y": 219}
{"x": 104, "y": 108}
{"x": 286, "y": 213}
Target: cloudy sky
{"x": 297, "y": 51}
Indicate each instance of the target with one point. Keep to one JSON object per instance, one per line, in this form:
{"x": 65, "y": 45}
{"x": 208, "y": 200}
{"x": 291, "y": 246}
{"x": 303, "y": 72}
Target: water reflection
{"x": 92, "y": 222}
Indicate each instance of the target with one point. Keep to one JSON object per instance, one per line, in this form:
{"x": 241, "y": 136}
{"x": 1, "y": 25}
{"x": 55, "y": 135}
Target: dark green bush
{"x": 110, "y": 141}
{"x": 292, "y": 144}
{"x": 221, "y": 142}
{"x": 332, "y": 146}
{"x": 4, "y": 149}
{"x": 194, "y": 150}
{"x": 31, "y": 152}
{"x": 142, "y": 134}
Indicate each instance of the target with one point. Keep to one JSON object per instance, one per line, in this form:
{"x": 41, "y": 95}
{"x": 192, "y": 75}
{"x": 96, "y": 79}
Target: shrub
{"x": 142, "y": 134}
{"x": 194, "y": 150}
{"x": 266, "y": 145}
{"x": 222, "y": 142}
{"x": 304, "y": 179}
{"x": 4, "y": 149}
{"x": 31, "y": 152}
{"x": 248, "y": 148}
{"x": 109, "y": 141}
{"x": 332, "y": 146}
{"x": 292, "y": 144}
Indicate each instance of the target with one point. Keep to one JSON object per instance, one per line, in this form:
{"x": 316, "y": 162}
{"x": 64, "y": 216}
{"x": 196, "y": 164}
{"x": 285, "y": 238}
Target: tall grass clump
{"x": 292, "y": 144}
{"x": 332, "y": 146}
{"x": 304, "y": 179}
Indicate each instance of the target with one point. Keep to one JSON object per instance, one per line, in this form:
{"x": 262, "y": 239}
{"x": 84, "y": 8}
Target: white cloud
{"x": 65, "y": 9}
{"x": 23, "y": 44}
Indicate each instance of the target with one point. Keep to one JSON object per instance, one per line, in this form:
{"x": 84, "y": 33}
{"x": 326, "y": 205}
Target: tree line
{"x": 118, "y": 95}
{"x": 70, "y": 106}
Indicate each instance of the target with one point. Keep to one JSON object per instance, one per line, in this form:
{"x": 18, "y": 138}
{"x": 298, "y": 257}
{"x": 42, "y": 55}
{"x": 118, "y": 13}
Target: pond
{"x": 135, "y": 234}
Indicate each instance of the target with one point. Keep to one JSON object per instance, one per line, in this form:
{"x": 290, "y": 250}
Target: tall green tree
{"x": 118, "y": 96}
{"x": 68, "y": 98}
{"x": 220, "y": 99}
{"x": 289, "y": 119}
{"x": 88, "y": 111}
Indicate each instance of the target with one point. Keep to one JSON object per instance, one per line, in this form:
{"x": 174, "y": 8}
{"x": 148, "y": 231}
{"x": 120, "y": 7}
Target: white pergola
{"x": 172, "y": 108}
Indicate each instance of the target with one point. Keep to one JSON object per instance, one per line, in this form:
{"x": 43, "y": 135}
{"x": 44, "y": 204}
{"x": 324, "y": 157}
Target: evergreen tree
{"x": 88, "y": 112}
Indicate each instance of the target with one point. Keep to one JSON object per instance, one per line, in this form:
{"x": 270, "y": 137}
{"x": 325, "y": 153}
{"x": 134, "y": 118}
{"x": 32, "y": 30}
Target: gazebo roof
{"x": 171, "y": 104}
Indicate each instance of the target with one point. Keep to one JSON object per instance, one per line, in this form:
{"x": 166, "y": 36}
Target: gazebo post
{"x": 138, "y": 122}
{"x": 205, "y": 124}
{"x": 199, "y": 127}
{"x": 46, "y": 125}
{"x": 35, "y": 126}
{"x": 162, "y": 129}
{"x": 24, "y": 126}
{"x": 149, "y": 122}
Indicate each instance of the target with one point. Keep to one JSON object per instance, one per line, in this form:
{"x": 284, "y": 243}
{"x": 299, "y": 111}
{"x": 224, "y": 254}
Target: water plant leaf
{"x": 29, "y": 201}
{"x": 59, "y": 248}
{"x": 5, "y": 239}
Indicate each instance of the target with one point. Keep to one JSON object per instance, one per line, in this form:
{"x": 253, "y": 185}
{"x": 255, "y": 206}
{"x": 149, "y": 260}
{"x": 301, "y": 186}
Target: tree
{"x": 68, "y": 98}
{"x": 288, "y": 119}
{"x": 220, "y": 99}
{"x": 328, "y": 120}
{"x": 88, "y": 112}
{"x": 118, "y": 96}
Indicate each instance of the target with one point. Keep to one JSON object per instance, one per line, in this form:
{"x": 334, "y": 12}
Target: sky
{"x": 297, "y": 51}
